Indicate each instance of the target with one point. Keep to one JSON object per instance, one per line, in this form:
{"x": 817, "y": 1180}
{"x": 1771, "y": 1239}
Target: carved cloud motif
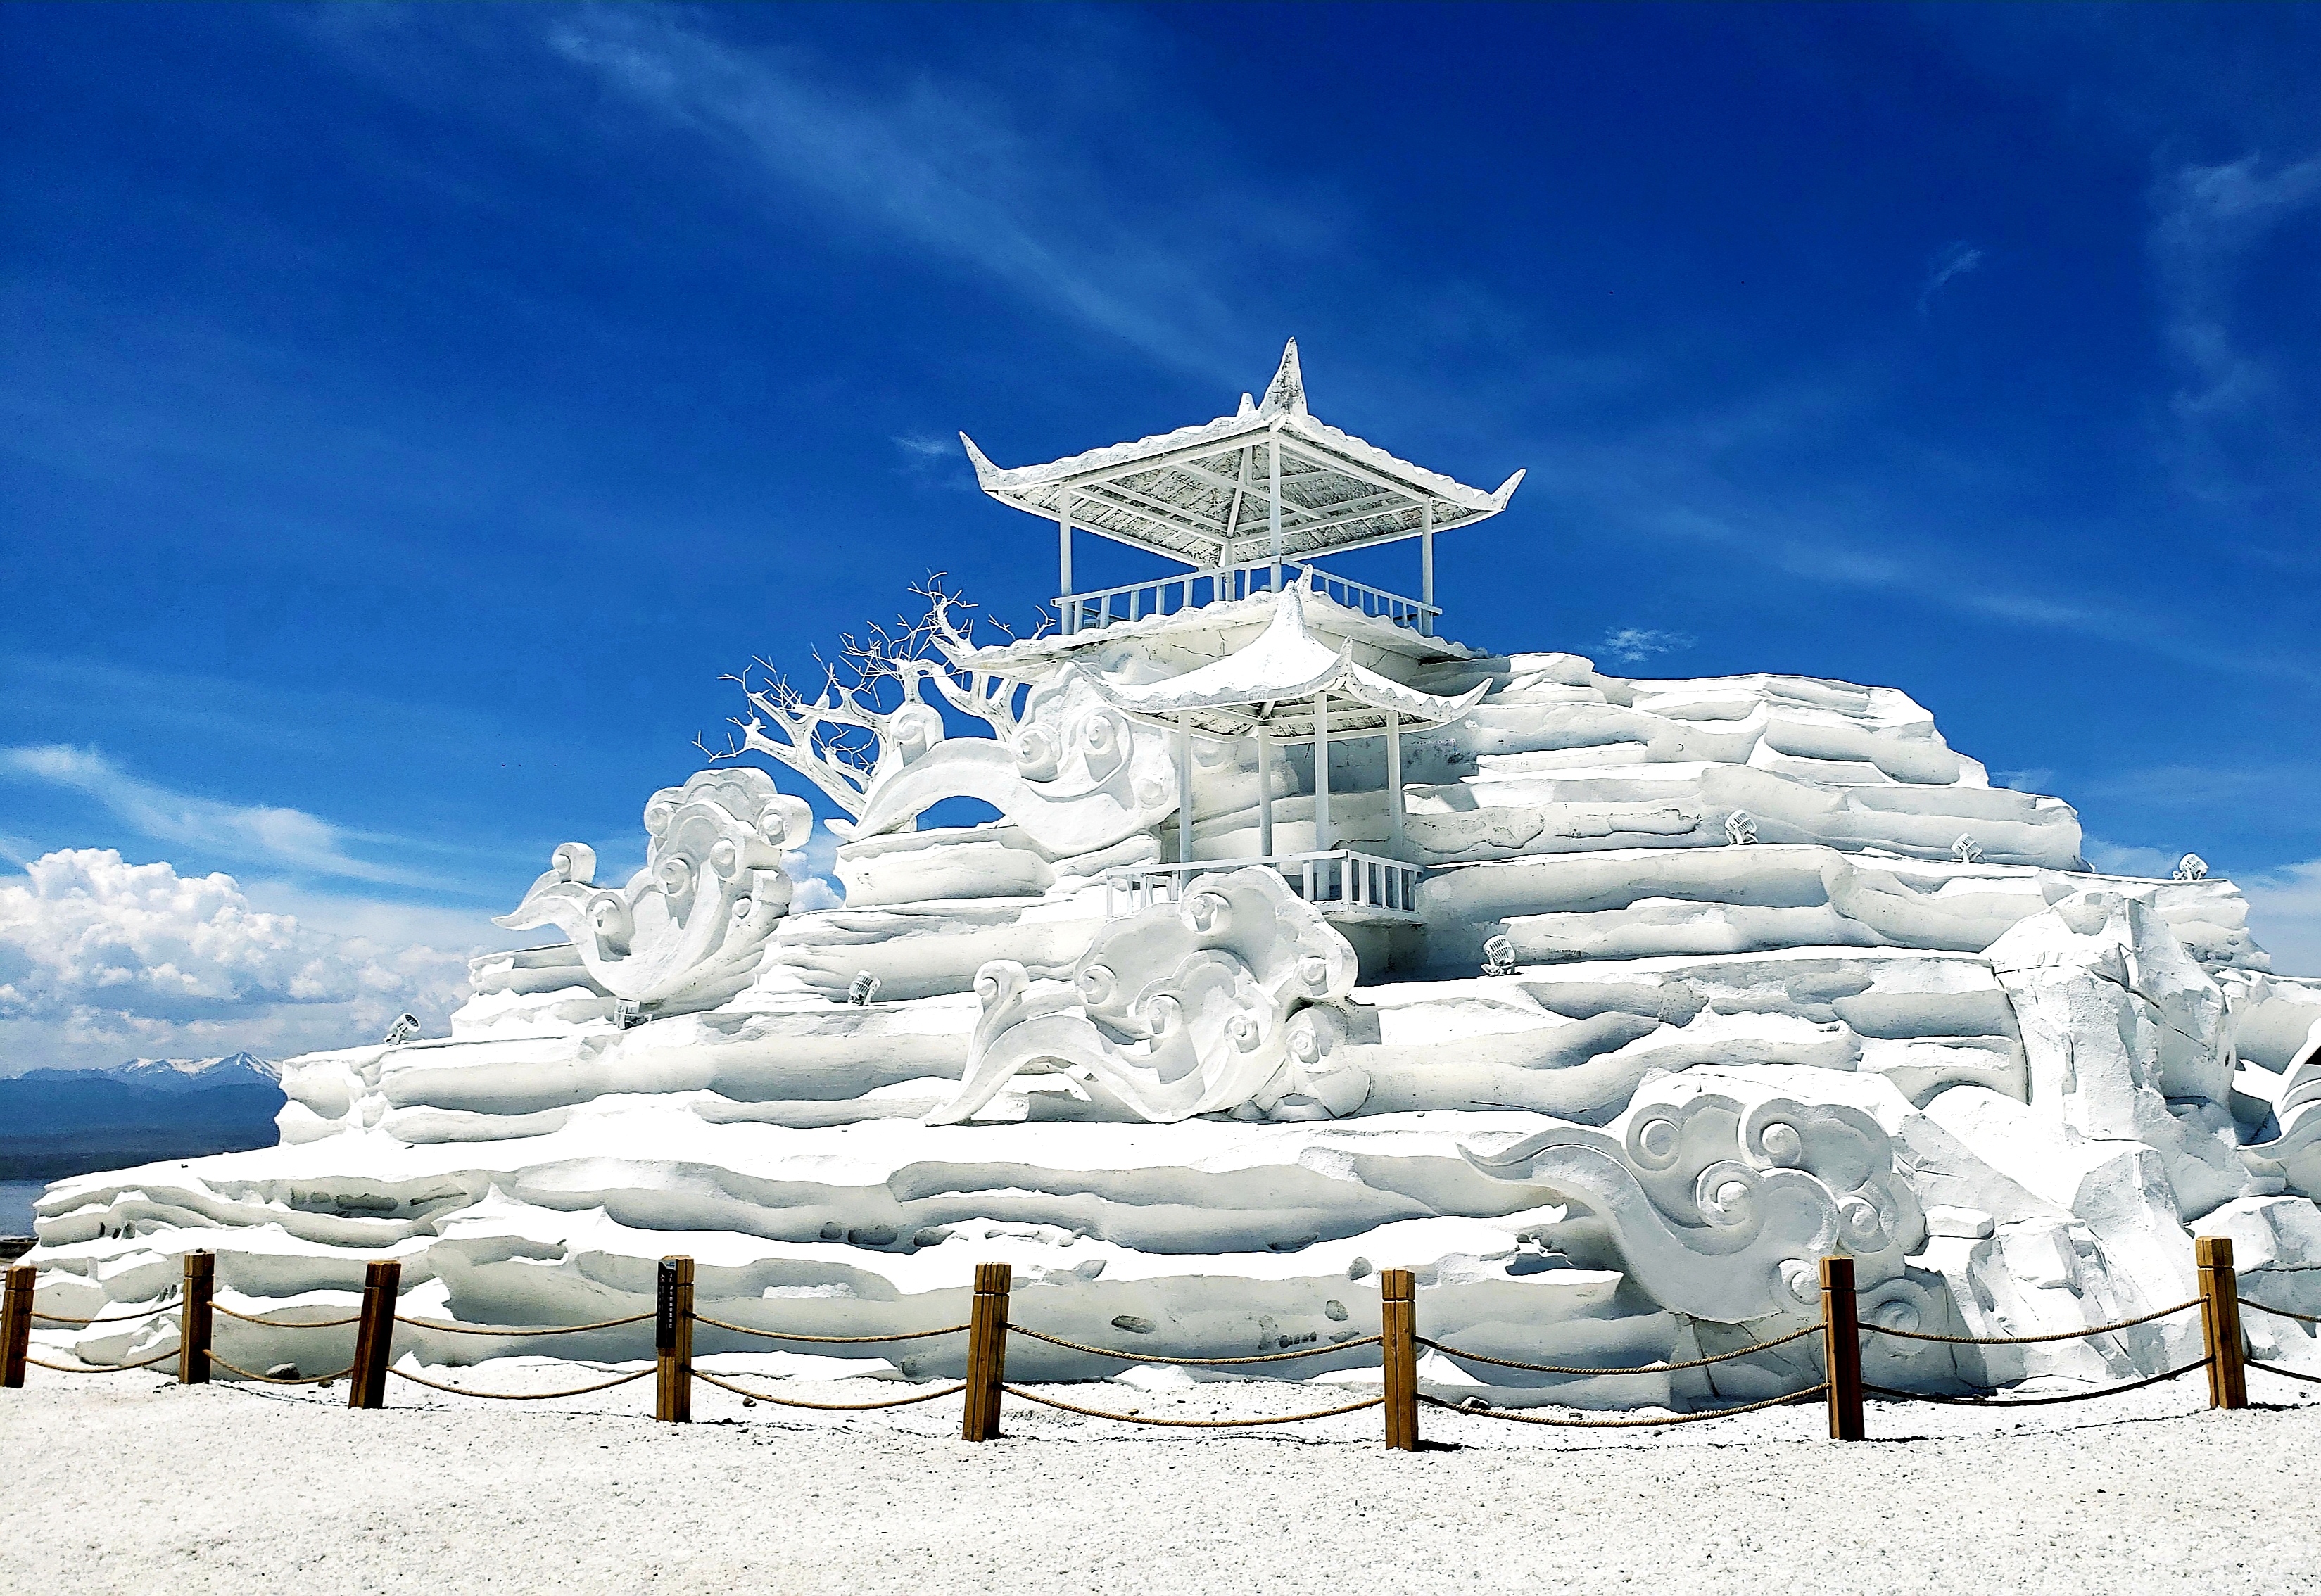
{"x": 1228, "y": 1001}
{"x": 690, "y": 927}
{"x": 1720, "y": 1191}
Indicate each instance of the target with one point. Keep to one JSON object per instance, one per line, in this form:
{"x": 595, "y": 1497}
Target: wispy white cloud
{"x": 1633, "y": 644}
{"x": 933, "y": 460}
{"x": 324, "y": 719}
{"x": 1671, "y": 481}
{"x": 1952, "y": 260}
{"x": 2284, "y": 903}
{"x": 2032, "y": 779}
{"x": 2128, "y": 859}
{"x": 269, "y": 835}
{"x": 935, "y": 164}
{"x": 2198, "y": 787}
{"x": 100, "y": 958}
{"x": 2285, "y": 913}
{"x": 2207, "y": 222}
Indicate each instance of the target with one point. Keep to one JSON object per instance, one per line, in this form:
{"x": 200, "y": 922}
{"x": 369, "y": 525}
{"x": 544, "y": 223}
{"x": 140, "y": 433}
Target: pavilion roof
{"x": 1272, "y": 682}
{"x": 1201, "y": 493}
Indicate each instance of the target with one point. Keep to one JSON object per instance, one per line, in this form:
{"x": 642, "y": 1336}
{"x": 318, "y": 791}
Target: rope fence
{"x": 252, "y": 1319}
{"x": 1722, "y": 1357}
{"x": 1190, "y": 1424}
{"x": 2310, "y": 1318}
{"x": 1621, "y": 1424}
{"x": 88, "y": 1368}
{"x": 635, "y": 1319}
{"x": 702, "y": 1318}
{"x": 108, "y": 1318}
{"x": 284, "y": 1379}
{"x": 2034, "y": 1340}
{"x": 1315, "y": 1350}
{"x": 768, "y": 1397}
{"x": 2075, "y": 1396}
{"x": 515, "y": 1396}
{"x": 990, "y": 1328}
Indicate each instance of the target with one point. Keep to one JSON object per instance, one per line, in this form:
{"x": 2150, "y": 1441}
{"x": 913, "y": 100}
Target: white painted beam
{"x": 1321, "y": 770}
{"x": 1264, "y": 793}
{"x": 1393, "y": 786}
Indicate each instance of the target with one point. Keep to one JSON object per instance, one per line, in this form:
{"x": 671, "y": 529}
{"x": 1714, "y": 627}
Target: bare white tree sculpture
{"x": 871, "y": 712}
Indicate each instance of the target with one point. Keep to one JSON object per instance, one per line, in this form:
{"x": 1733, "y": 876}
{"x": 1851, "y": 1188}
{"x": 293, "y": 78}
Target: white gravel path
{"x": 128, "y": 1484}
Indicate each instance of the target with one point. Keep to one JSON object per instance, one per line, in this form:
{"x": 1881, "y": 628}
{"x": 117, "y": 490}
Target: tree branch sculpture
{"x": 871, "y": 713}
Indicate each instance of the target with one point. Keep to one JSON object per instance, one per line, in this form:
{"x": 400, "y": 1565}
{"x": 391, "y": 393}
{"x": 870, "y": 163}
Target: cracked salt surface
{"x": 129, "y": 1483}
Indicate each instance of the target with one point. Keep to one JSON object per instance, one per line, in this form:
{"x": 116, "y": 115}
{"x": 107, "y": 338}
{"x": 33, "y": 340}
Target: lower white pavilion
{"x": 1266, "y": 646}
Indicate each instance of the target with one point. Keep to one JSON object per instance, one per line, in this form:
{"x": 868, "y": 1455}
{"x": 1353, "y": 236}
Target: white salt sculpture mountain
{"x": 1785, "y": 976}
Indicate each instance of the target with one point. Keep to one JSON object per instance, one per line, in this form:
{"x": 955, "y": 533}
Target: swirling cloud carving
{"x": 690, "y": 928}
{"x": 1229, "y": 1000}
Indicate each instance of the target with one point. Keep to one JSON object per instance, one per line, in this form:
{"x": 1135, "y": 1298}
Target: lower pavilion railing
{"x": 1092, "y": 612}
{"x": 1340, "y": 880}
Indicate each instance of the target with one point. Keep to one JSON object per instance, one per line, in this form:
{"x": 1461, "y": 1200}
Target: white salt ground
{"x": 128, "y": 1484}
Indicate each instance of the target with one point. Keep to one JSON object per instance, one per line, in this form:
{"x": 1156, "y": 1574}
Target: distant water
{"x": 16, "y": 1205}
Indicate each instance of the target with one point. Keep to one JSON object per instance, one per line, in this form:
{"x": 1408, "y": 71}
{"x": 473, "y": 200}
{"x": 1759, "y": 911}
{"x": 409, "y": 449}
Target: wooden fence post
{"x": 1841, "y": 1347}
{"x": 673, "y": 1340}
{"x": 1398, "y": 1356}
{"x": 374, "y": 1336}
{"x": 193, "y": 1319}
{"x": 987, "y": 1352}
{"x": 2220, "y": 1322}
{"x": 15, "y": 1325}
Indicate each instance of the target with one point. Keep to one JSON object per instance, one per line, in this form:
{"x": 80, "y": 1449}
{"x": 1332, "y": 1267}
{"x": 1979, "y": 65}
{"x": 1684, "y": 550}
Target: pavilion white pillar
{"x": 1393, "y": 786}
{"x": 1322, "y": 771}
{"x": 1426, "y": 563}
{"x": 1273, "y": 454}
{"x": 1064, "y": 556}
{"x": 1184, "y": 790}
{"x": 1264, "y": 793}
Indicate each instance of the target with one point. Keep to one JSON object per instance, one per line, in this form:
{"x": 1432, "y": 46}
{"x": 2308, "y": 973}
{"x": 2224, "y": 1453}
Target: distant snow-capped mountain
{"x": 63, "y": 1122}
{"x": 177, "y": 1075}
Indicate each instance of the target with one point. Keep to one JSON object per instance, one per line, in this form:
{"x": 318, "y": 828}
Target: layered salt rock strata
{"x": 1787, "y": 976}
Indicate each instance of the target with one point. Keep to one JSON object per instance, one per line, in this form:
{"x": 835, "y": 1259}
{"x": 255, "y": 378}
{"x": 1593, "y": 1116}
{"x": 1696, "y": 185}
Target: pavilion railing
{"x": 1336, "y": 878}
{"x": 1137, "y": 601}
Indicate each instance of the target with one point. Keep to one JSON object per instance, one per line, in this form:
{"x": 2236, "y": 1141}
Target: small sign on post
{"x": 374, "y": 1336}
{"x": 2220, "y": 1321}
{"x": 195, "y": 1319}
{"x": 15, "y": 1325}
{"x": 673, "y": 1340}
{"x": 1398, "y": 1353}
{"x": 1842, "y": 1344}
{"x": 986, "y": 1351}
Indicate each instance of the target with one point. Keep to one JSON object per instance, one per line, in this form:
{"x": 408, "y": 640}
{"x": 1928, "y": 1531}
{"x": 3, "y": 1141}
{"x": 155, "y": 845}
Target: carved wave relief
{"x": 690, "y": 927}
{"x": 1230, "y": 1000}
{"x": 1718, "y": 1191}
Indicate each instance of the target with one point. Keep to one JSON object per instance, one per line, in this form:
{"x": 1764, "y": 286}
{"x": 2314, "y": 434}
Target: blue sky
{"x": 406, "y": 415}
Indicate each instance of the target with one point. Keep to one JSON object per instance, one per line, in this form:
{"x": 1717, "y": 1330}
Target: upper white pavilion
{"x": 1237, "y": 500}
{"x": 1257, "y": 646}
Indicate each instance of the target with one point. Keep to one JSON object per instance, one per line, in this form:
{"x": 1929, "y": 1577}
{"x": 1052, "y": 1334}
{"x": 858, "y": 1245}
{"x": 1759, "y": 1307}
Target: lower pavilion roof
{"x": 1272, "y": 684}
{"x": 1204, "y": 494}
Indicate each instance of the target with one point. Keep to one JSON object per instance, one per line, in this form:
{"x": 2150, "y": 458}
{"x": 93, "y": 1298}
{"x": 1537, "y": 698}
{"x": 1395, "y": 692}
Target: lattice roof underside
{"x": 1202, "y": 493}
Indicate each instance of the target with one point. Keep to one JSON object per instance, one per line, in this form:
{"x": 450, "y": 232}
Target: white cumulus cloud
{"x": 100, "y": 958}
{"x": 2285, "y": 913}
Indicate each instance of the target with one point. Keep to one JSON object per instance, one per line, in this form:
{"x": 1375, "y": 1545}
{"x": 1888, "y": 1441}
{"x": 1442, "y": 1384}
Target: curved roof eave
{"x": 1285, "y": 663}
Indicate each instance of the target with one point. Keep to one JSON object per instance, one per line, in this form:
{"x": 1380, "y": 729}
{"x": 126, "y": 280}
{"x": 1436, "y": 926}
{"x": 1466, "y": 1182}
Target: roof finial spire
{"x": 1288, "y": 391}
